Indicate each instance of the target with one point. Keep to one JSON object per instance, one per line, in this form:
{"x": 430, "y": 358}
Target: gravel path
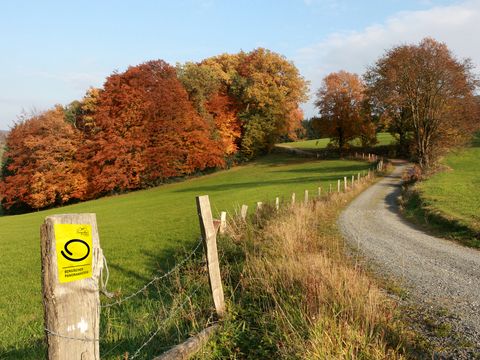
{"x": 437, "y": 272}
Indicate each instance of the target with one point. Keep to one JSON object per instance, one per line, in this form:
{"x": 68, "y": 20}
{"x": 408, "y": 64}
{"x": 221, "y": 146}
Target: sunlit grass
{"x": 139, "y": 233}
{"x": 383, "y": 139}
{"x": 453, "y": 195}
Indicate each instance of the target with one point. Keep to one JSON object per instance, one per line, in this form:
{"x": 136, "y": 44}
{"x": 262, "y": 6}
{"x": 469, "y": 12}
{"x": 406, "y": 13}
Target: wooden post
{"x": 319, "y": 191}
{"x": 259, "y": 206}
{"x": 293, "y": 198}
{"x": 243, "y": 212}
{"x": 345, "y": 185}
{"x": 338, "y": 185}
{"x": 223, "y": 222}
{"x": 210, "y": 242}
{"x": 71, "y": 263}
{"x": 188, "y": 348}
{"x": 306, "y": 197}
{"x": 277, "y": 203}
{"x": 353, "y": 181}
{"x": 358, "y": 178}
{"x": 330, "y": 188}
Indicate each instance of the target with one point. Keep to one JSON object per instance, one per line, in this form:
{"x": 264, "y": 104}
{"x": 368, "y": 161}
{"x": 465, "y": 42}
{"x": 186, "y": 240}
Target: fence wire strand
{"x": 119, "y": 301}
{"x": 156, "y": 278}
{"x": 172, "y": 314}
{"x": 53, "y": 333}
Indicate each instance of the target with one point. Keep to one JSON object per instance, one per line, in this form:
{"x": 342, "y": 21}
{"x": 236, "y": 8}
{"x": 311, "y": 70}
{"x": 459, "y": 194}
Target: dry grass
{"x": 301, "y": 297}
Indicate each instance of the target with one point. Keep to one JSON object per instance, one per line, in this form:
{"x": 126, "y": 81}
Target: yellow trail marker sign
{"x": 74, "y": 251}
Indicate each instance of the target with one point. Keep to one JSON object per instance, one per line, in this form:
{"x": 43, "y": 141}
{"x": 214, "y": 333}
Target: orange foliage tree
{"x": 41, "y": 168}
{"x": 209, "y": 95}
{"x": 340, "y": 101}
{"x": 425, "y": 89}
{"x": 267, "y": 90}
{"x": 146, "y": 131}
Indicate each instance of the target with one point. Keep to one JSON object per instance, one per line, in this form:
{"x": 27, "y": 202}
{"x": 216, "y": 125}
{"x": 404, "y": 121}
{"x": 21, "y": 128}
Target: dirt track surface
{"x": 437, "y": 272}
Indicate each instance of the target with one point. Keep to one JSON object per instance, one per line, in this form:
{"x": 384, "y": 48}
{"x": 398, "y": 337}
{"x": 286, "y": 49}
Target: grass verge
{"x": 294, "y": 294}
{"x": 447, "y": 202}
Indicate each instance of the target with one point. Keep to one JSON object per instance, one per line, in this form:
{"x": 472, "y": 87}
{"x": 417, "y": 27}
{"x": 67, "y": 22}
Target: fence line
{"x": 209, "y": 227}
{"x": 154, "y": 279}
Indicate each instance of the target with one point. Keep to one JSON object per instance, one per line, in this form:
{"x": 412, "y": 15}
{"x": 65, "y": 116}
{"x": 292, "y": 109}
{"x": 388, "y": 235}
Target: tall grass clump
{"x": 295, "y": 294}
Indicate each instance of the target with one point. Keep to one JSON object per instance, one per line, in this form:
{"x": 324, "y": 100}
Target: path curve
{"x": 435, "y": 270}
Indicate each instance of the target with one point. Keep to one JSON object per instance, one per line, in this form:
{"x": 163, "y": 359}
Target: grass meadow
{"x": 383, "y": 139}
{"x": 448, "y": 201}
{"x": 141, "y": 233}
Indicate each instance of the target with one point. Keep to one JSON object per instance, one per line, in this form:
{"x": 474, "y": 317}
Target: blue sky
{"x": 52, "y": 51}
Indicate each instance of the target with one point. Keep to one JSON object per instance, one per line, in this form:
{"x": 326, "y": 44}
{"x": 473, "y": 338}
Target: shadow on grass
{"x": 420, "y": 214}
{"x": 36, "y": 349}
{"x": 335, "y": 169}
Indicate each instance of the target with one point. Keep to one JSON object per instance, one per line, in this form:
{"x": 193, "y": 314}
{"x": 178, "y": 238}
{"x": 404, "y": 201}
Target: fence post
{"x": 330, "y": 188}
{"x": 71, "y": 263}
{"x": 293, "y": 198}
{"x": 306, "y": 197}
{"x": 319, "y": 191}
{"x": 345, "y": 185}
{"x": 358, "y": 178}
{"x": 353, "y": 181}
{"x": 277, "y": 203}
{"x": 243, "y": 212}
{"x": 210, "y": 241}
{"x": 259, "y": 206}
{"x": 223, "y": 222}
{"x": 338, "y": 185}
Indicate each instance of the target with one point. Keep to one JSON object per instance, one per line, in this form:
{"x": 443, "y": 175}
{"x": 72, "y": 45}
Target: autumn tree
{"x": 425, "y": 91}
{"x": 340, "y": 101}
{"x": 208, "y": 92}
{"x": 146, "y": 130}
{"x": 81, "y": 113}
{"x": 268, "y": 90}
{"x": 41, "y": 168}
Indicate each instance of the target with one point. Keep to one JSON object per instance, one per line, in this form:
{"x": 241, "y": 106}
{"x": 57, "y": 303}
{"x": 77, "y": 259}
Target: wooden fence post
{"x": 358, "y": 178}
{"x": 71, "y": 263}
{"x": 293, "y": 198}
{"x": 353, "y": 181}
{"x": 345, "y": 185}
{"x": 243, "y": 212}
{"x": 223, "y": 222}
{"x": 330, "y": 188}
{"x": 259, "y": 206}
{"x": 338, "y": 185}
{"x": 277, "y": 203}
{"x": 306, "y": 197}
{"x": 319, "y": 191}
{"x": 210, "y": 242}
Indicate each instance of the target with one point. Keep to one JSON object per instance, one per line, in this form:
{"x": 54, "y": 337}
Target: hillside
{"x": 139, "y": 232}
{"x": 316, "y": 144}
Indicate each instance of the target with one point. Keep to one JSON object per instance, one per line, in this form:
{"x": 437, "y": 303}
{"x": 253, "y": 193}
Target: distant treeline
{"x": 155, "y": 122}
{"x": 151, "y": 123}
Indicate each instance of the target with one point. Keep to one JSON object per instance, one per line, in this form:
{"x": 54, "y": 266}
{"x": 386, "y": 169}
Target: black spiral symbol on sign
{"x": 65, "y": 247}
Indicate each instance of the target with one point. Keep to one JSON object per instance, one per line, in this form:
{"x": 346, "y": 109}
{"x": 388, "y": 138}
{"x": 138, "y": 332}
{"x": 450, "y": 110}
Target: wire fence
{"x": 173, "y": 313}
{"x": 209, "y": 231}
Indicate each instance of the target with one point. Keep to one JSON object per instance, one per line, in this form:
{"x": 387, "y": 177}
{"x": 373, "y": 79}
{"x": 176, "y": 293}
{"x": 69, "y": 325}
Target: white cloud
{"x": 456, "y": 25}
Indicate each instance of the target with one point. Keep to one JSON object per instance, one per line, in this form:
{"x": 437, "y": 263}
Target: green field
{"x": 454, "y": 194}
{"x": 139, "y": 232}
{"x": 383, "y": 139}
